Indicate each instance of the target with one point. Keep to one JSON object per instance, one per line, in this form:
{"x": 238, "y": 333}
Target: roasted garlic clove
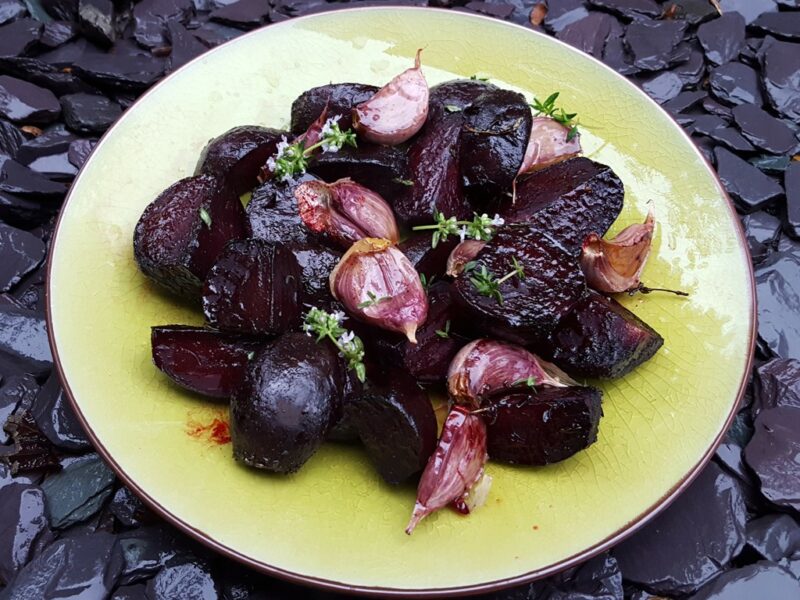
{"x": 549, "y": 142}
{"x": 377, "y": 284}
{"x": 616, "y": 265}
{"x": 455, "y": 467}
{"x": 485, "y": 366}
{"x": 462, "y": 254}
{"x": 397, "y": 111}
{"x": 346, "y": 211}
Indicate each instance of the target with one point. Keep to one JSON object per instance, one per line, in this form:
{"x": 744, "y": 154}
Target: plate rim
{"x": 377, "y": 591}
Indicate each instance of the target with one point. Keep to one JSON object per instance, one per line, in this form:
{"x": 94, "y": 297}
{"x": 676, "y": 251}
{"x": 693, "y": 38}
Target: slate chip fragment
{"x": 185, "y": 46}
{"x": 791, "y": 183}
{"x": 750, "y": 188}
{"x": 23, "y": 340}
{"x": 78, "y": 491}
{"x": 652, "y": 42}
{"x": 183, "y": 580}
{"x": 762, "y": 231}
{"x": 561, "y": 13}
{"x": 97, "y": 19}
{"x": 11, "y": 10}
{"x": 774, "y": 536}
{"x": 780, "y": 24}
{"x": 663, "y": 87}
{"x": 245, "y": 14}
{"x": 764, "y": 130}
{"x": 151, "y": 18}
{"x": 689, "y": 543}
{"x": 759, "y": 580}
{"x": 120, "y": 72}
{"x": 20, "y": 253}
{"x": 89, "y": 113}
{"x": 781, "y": 75}
{"x": 24, "y": 529}
{"x": 56, "y": 33}
{"x": 736, "y": 83}
{"x": 722, "y": 38}
{"x": 630, "y": 9}
{"x": 772, "y": 453}
{"x": 598, "y": 578}
{"x": 147, "y": 550}
{"x": 56, "y": 418}
{"x": 23, "y": 102}
{"x": 590, "y": 33}
{"x": 19, "y": 37}
{"x": 11, "y": 138}
{"x": 749, "y": 9}
{"x": 128, "y": 509}
{"x": 778, "y": 292}
{"x": 86, "y": 566}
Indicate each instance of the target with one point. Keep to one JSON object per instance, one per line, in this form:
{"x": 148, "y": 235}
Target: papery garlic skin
{"x": 462, "y": 254}
{"x": 397, "y": 111}
{"x": 613, "y": 266}
{"x": 455, "y": 466}
{"x": 345, "y": 211}
{"x": 377, "y": 284}
{"x": 486, "y": 366}
{"x": 548, "y": 144}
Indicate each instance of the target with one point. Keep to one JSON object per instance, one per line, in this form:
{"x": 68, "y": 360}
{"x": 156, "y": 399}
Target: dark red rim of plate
{"x": 491, "y": 586}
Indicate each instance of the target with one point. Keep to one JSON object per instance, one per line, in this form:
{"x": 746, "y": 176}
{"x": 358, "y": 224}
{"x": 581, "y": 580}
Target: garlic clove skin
{"x": 345, "y": 211}
{"x": 313, "y": 134}
{"x": 548, "y": 144}
{"x": 486, "y": 366}
{"x": 378, "y": 285}
{"x": 397, "y": 111}
{"x": 455, "y": 467}
{"x": 614, "y": 266}
{"x": 462, "y": 254}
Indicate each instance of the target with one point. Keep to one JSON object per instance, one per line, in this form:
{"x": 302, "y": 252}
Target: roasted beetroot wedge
{"x": 254, "y": 287}
{"x": 427, "y": 260}
{"x": 454, "y": 96}
{"x": 434, "y": 175}
{"x": 543, "y": 426}
{"x": 521, "y": 284}
{"x": 238, "y": 155}
{"x": 180, "y": 233}
{"x": 602, "y": 338}
{"x": 316, "y": 264}
{"x": 340, "y": 98}
{"x": 396, "y": 423}
{"x": 437, "y": 340}
{"x": 272, "y": 213}
{"x": 286, "y": 404}
{"x": 496, "y": 130}
{"x": 379, "y": 168}
{"x": 569, "y": 200}
{"x": 202, "y": 360}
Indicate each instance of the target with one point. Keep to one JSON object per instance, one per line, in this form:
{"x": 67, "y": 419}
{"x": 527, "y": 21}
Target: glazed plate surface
{"x": 335, "y": 523}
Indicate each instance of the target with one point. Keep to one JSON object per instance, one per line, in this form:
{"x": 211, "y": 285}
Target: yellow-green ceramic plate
{"x": 335, "y": 523}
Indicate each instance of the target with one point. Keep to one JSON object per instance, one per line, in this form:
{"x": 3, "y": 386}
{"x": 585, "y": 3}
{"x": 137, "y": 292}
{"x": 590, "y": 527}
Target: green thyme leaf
{"x": 206, "y": 218}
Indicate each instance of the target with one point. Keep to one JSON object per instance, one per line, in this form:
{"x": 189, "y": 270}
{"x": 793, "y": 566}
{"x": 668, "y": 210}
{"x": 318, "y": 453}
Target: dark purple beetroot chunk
{"x": 238, "y": 155}
{"x": 602, "y": 338}
{"x": 543, "y": 426}
{"x": 428, "y": 359}
{"x": 172, "y": 243}
{"x": 283, "y": 410}
{"x": 428, "y": 261}
{"x": 340, "y": 98}
{"x": 254, "y": 287}
{"x": 316, "y": 263}
{"x": 496, "y": 130}
{"x": 569, "y": 200}
{"x": 379, "y": 168}
{"x": 454, "y": 96}
{"x": 531, "y": 306}
{"x": 272, "y": 213}
{"x": 201, "y": 360}
{"x": 395, "y": 421}
{"x": 433, "y": 174}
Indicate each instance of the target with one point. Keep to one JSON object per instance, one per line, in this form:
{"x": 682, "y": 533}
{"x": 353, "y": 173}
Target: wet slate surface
{"x": 692, "y": 541}
{"x": 733, "y": 83}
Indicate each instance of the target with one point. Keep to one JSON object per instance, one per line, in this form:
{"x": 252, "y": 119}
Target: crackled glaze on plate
{"x": 335, "y": 523}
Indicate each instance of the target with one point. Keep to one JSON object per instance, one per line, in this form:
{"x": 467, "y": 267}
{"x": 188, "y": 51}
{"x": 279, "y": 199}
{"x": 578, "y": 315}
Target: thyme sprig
{"x": 482, "y": 227}
{"x": 548, "y": 108}
{"x": 291, "y": 160}
{"x": 372, "y": 300}
{"x": 327, "y": 325}
{"x": 487, "y": 284}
